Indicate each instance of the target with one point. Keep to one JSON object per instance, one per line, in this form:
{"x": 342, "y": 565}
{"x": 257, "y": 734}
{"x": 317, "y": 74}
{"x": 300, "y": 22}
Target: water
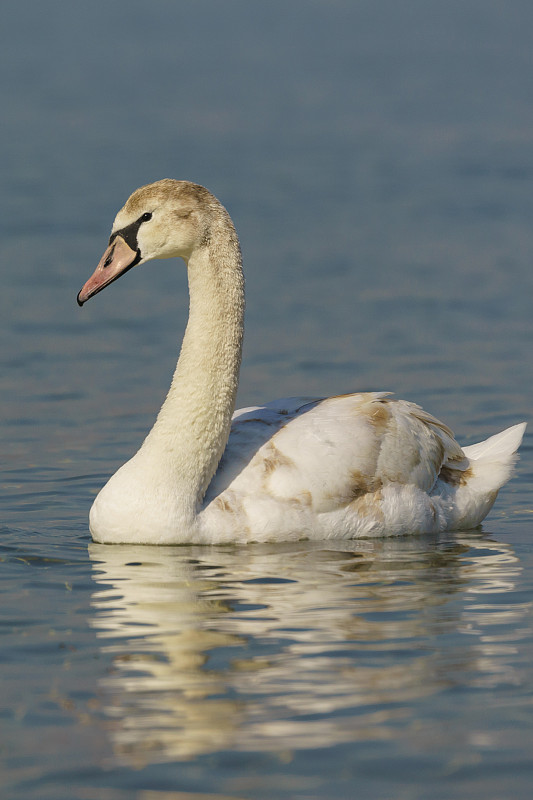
{"x": 377, "y": 160}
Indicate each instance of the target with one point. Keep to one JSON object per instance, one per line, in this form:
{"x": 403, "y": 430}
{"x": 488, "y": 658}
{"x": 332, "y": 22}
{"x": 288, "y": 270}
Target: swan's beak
{"x": 117, "y": 259}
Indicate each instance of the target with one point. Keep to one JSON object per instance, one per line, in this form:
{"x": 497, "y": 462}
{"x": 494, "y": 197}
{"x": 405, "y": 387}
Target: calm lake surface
{"x": 377, "y": 159}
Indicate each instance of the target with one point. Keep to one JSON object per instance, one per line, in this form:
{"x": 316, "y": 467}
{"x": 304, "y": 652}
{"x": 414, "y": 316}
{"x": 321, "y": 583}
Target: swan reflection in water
{"x": 281, "y": 647}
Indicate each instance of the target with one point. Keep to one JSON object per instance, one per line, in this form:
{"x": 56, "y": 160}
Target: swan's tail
{"x": 494, "y": 458}
{"x": 487, "y": 466}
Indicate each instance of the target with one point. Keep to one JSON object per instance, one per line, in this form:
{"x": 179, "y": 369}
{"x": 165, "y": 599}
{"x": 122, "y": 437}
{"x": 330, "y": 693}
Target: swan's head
{"x": 162, "y": 220}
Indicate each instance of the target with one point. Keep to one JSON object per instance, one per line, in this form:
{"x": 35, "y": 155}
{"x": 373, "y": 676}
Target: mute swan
{"x": 342, "y": 467}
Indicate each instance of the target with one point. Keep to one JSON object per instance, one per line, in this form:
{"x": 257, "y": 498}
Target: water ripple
{"x": 296, "y": 647}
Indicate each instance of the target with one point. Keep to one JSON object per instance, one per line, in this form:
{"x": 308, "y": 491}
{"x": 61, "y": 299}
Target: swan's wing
{"x": 331, "y": 452}
{"x": 251, "y": 428}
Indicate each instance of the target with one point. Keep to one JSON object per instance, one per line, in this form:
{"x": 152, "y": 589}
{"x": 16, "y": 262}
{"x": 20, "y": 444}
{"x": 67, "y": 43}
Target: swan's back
{"x": 358, "y": 464}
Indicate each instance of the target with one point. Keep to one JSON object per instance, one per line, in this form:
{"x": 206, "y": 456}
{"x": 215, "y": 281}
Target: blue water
{"x": 377, "y": 159}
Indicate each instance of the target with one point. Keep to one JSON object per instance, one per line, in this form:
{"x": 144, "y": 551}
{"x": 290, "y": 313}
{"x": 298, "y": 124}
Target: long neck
{"x": 191, "y": 431}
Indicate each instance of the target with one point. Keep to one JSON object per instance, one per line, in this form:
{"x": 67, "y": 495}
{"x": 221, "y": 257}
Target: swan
{"x": 354, "y": 465}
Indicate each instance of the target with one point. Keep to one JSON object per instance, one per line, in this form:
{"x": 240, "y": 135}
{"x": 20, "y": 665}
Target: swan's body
{"x": 343, "y": 467}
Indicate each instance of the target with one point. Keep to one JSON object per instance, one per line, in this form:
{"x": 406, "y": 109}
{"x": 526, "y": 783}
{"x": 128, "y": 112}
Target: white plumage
{"x": 343, "y": 467}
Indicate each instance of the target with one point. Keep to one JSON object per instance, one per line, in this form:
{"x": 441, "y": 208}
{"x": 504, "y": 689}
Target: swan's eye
{"x": 146, "y": 216}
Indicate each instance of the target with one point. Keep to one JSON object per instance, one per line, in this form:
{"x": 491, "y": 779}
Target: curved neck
{"x": 192, "y": 428}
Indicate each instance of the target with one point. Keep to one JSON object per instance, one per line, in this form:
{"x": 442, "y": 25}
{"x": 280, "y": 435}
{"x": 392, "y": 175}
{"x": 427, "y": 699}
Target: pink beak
{"x": 117, "y": 259}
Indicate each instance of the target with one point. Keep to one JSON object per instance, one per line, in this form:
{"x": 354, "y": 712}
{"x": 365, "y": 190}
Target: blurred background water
{"x": 377, "y": 159}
